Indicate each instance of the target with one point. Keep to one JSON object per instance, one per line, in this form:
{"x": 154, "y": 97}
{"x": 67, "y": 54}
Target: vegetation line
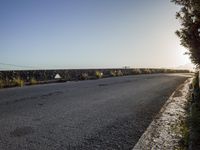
{"x": 194, "y": 116}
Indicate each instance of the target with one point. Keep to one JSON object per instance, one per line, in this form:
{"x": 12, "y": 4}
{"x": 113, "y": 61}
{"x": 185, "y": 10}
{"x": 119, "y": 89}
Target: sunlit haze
{"x": 66, "y": 34}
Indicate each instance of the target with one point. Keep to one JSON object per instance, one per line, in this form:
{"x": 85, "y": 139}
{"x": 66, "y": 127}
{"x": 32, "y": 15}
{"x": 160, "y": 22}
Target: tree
{"x": 189, "y": 33}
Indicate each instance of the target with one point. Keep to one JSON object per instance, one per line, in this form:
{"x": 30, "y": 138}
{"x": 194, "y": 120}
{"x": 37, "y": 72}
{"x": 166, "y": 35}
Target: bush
{"x": 67, "y": 77}
{"x": 196, "y": 89}
{"x": 18, "y": 82}
{"x": 119, "y": 73}
{"x": 83, "y": 76}
{"x": 98, "y": 74}
{"x": 1, "y": 84}
{"x": 33, "y": 81}
{"x": 195, "y": 81}
{"x": 195, "y": 116}
{"x": 194, "y": 124}
{"x": 136, "y": 71}
{"x": 113, "y": 73}
{"x": 146, "y": 71}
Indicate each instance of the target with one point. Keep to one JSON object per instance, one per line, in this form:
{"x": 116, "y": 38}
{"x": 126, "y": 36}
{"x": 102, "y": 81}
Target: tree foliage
{"x": 189, "y": 33}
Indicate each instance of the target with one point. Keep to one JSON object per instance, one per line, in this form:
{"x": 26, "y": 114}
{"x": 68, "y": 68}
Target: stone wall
{"x": 77, "y": 74}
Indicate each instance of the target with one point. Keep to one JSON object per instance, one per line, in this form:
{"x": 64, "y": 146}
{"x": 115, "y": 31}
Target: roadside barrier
{"x": 30, "y": 77}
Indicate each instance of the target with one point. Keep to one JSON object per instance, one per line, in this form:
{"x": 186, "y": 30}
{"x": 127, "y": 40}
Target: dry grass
{"x": 18, "y": 82}
{"x": 33, "y": 81}
{"x": 98, "y": 74}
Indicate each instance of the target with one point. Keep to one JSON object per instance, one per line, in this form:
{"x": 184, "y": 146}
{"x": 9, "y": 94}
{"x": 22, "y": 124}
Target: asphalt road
{"x": 109, "y": 113}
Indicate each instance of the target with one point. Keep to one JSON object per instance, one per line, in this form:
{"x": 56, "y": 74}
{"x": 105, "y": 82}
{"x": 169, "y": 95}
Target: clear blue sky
{"x": 89, "y": 34}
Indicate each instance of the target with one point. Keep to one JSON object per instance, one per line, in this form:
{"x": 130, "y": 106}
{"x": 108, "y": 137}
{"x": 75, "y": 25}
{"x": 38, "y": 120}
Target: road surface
{"x": 110, "y": 113}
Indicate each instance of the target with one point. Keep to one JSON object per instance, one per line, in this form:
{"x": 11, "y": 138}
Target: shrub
{"x": 84, "y": 76}
{"x": 33, "y": 81}
{"x": 1, "y": 84}
{"x": 195, "y": 116}
{"x": 195, "y": 81}
{"x": 136, "y": 71}
{"x": 67, "y": 77}
{"x": 153, "y": 71}
{"x": 113, "y": 73}
{"x": 98, "y": 74}
{"x": 194, "y": 123}
{"x": 146, "y": 71}
{"x": 18, "y": 82}
{"x": 119, "y": 73}
{"x": 165, "y": 71}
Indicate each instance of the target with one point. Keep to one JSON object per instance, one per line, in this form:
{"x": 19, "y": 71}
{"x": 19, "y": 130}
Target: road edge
{"x": 162, "y": 132}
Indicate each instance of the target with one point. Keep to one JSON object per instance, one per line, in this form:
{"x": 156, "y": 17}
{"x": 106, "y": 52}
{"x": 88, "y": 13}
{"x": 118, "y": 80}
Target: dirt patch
{"x": 40, "y": 104}
{"x": 50, "y": 94}
{"x": 103, "y": 84}
{"x": 22, "y": 131}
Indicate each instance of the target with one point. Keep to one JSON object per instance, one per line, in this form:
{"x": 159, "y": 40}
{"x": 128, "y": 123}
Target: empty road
{"x": 110, "y": 113}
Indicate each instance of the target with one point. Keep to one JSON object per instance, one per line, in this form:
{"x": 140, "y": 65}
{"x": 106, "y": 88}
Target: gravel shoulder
{"x": 165, "y": 130}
